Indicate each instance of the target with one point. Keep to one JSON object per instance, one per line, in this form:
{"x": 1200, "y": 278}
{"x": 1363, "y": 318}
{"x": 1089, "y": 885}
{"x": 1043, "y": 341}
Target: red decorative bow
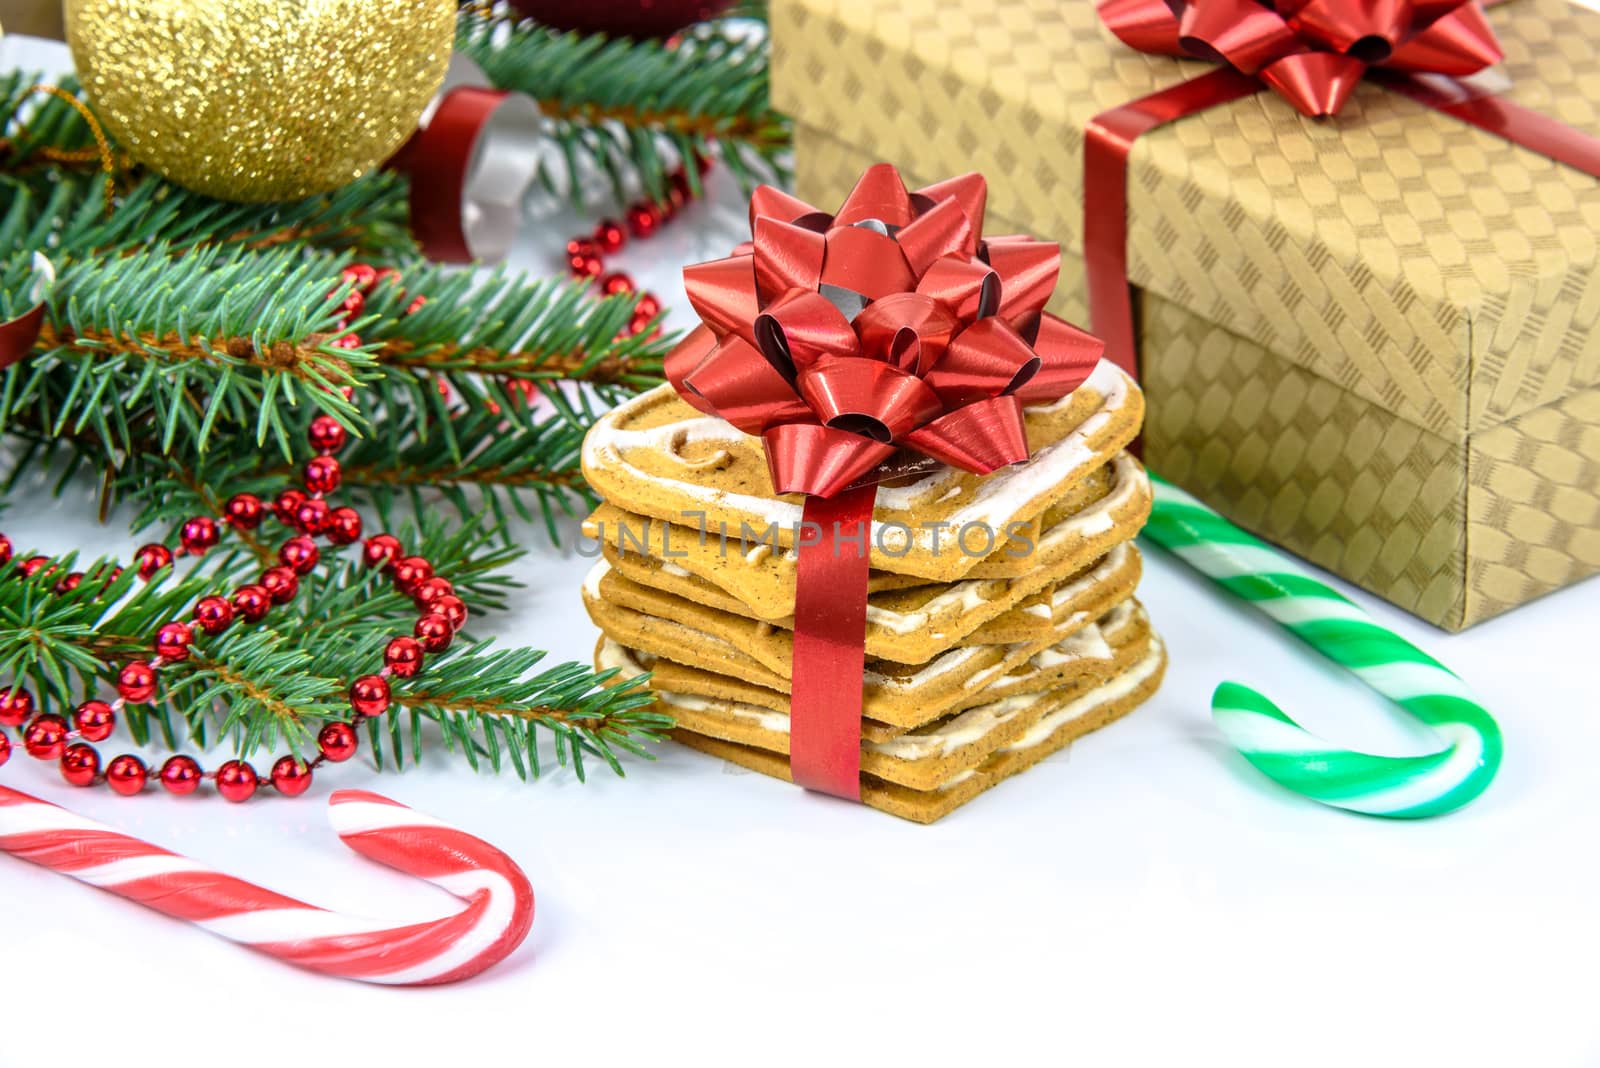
{"x": 1312, "y": 52}
{"x": 840, "y": 339}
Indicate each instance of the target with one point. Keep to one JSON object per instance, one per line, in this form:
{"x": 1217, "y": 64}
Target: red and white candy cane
{"x": 497, "y": 918}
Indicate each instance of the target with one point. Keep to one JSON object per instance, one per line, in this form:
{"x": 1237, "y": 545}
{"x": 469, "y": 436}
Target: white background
{"x": 1144, "y": 898}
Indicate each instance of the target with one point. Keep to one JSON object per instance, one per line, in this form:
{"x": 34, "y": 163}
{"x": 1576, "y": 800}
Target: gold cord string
{"x": 102, "y": 149}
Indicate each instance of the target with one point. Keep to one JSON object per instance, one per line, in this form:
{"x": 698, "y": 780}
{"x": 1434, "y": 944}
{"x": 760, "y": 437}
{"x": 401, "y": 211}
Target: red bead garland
{"x": 291, "y": 777}
{"x": 50, "y": 737}
{"x": 338, "y": 742}
{"x": 181, "y": 775}
{"x": 643, "y": 218}
{"x": 16, "y": 706}
{"x": 126, "y": 775}
{"x": 94, "y": 720}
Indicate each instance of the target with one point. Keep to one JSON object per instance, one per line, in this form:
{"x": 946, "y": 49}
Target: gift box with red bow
{"x": 1350, "y": 246}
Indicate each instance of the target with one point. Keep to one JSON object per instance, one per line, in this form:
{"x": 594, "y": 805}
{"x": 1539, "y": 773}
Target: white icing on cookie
{"x": 1115, "y": 690}
{"x": 960, "y": 730}
{"x": 996, "y": 501}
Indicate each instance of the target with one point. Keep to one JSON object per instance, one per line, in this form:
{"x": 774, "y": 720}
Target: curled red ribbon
{"x": 471, "y": 159}
{"x": 18, "y": 334}
{"x": 846, "y": 341}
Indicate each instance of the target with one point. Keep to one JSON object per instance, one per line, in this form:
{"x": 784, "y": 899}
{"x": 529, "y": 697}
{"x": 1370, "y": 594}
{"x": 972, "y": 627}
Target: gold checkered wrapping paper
{"x": 1453, "y": 529}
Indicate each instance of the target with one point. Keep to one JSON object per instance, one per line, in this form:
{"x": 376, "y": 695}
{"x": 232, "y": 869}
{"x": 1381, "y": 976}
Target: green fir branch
{"x": 630, "y": 109}
{"x": 270, "y": 686}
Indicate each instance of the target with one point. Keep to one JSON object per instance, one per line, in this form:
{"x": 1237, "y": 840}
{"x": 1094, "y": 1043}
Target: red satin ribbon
{"x": 439, "y": 159}
{"x": 18, "y": 335}
{"x": 830, "y": 633}
{"x": 1110, "y": 137}
{"x": 1107, "y": 143}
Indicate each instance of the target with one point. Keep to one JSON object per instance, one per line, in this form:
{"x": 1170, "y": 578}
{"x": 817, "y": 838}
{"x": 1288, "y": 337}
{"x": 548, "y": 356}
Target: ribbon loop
{"x": 1312, "y": 52}
{"x": 872, "y": 323}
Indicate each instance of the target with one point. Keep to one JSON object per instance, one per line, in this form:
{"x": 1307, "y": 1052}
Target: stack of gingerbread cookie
{"x": 1001, "y": 617}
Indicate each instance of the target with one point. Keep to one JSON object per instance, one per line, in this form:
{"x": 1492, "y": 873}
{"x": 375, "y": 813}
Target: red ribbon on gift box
{"x": 846, "y": 341}
{"x": 1313, "y": 53}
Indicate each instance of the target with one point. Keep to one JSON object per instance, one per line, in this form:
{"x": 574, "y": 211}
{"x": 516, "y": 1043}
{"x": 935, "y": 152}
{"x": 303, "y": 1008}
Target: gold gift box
{"x": 1371, "y": 339}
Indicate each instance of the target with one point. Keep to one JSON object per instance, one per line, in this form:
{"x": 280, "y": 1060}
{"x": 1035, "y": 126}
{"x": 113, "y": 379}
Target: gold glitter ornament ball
{"x": 260, "y": 100}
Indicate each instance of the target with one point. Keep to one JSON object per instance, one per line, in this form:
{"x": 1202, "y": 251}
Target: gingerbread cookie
{"x": 1054, "y": 730}
{"x": 909, "y": 626}
{"x": 757, "y": 653}
{"x": 1110, "y": 504}
{"x": 656, "y": 456}
{"x": 929, "y": 755}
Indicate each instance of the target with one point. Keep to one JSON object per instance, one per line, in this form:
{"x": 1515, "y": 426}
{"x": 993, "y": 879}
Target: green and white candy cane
{"x": 1400, "y": 787}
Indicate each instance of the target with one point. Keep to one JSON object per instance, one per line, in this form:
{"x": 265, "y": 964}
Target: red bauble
{"x": 403, "y": 656}
{"x": 453, "y": 609}
{"x": 411, "y": 572}
{"x": 281, "y": 584}
{"x": 312, "y": 516}
{"x": 16, "y": 705}
{"x": 369, "y": 695}
{"x": 5, "y": 749}
{"x": 434, "y": 632}
{"x": 136, "y": 681}
{"x": 381, "y": 550}
{"x": 94, "y": 720}
{"x": 643, "y": 219}
{"x": 44, "y": 737}
{"x": 616, "y": 282}
{"x": 252, "y": 602}
{"x": 244, "y": 510}
{"x": 286, "y": 504}
{"x": 418, "y": 302}
{"x": 290, "y": 777}
{"x": 80, "y": 764}
{"x": 352, "y": 304}
{"x": 326, "y": 435}
{"x": 344, "y": 525}
{"x": 636, "y": 18}
{"x": 582, "y": 248}
{"x": 214, "y": 614}
{"x": 30, "y": 567}
{"x": 152, "y": 558}
{"x": 5, "y": 550}
{"x": 348, "y": 341}
{"x": 322, "y": 474}
{"x": 181, "y": 775}
{"x": 299, "y": 554}
{"x": 126, "y": 775}
{"x": 337, "y": 742}
{"x": 173, "y": 641}
{"x": 198, "y": 534}
{"x": 237, "y": 781}
{"x": 609, "y": 236}
{"x": 70, "y": 583}
{"x": 431, "y": 590}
